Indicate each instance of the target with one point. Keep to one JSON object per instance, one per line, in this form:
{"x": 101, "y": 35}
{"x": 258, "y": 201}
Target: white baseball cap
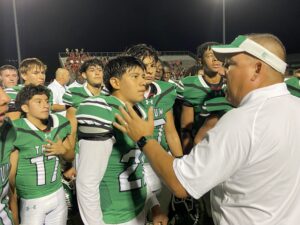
{"x": 244, "y": 44}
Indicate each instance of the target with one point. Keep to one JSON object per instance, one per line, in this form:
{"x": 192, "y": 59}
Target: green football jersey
{"x": 75, "y": 95}
{"x": 219, "y": 105}
{"x": 122, "y": 189}
{"x": 293, "y": 84}
{"x": 8, "y": 135}
{"x": 38, "y": 175}
{"x": 162, "y": 98}
{"x": 13, "y": 92}
{"x": 197, "y": 93}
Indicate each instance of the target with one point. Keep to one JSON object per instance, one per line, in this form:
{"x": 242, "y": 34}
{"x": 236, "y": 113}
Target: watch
{"x": 143, "y": 141}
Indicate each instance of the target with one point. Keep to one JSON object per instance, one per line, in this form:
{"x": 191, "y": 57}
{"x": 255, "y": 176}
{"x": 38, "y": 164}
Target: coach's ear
{"x": 115, "y": 83}
{"x": 25, "y": 108}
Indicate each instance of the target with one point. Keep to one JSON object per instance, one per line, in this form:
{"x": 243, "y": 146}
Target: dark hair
{"x": 193, "y": 70}
{"x": 90, "y": 62}
{"x": 27, "y": 92}
{"x": 165, "y": 64}
{"x": 203, "y": 47}
{"x": 141, "y": 51}
{"x": 8, "y": 67}
{"x": 297, "y": 71}
{"x": 118, "y": 66}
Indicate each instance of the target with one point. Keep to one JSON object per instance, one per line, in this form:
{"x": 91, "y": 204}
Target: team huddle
{"x": 45, "y": 141}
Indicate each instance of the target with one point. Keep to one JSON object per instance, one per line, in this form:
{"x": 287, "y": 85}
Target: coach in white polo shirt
{"x": 58, "y": 88}
{"x": 251, "y": 159}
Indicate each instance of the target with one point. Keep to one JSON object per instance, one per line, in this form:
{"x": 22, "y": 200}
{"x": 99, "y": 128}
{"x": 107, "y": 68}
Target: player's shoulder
{"x": 7, "y": 126}
{"x": 59, "y": 119}
{"x": 292, "y": 80}
{"x": 19, "y": 123}
{"x": 75, "y": 90}
{"x": 164, "y": 88}
{"x": 164, "y": 84}
{"x": 191, "y": 79}
{"x": 14, "y": 89}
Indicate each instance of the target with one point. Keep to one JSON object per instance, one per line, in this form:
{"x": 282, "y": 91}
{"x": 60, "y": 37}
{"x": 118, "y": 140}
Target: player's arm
{"x": 70, "y": 153}
{"x": 92, "y": 164}
{"x": 14, "y": 115}
{"x": 209, "y": 123}
{"x": 186, "y": 125}
{"x": 58, "y": 108}
{"x": 157, "y": 215}
{"x": 172, "y": 136}
{"x": 13, "y": 198}
{"x": 71, "y": 116}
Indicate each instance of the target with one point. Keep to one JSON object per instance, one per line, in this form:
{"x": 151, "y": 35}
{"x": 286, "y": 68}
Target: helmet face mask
{"x": 70, "y": 197}
{"x": 186, "y": 211}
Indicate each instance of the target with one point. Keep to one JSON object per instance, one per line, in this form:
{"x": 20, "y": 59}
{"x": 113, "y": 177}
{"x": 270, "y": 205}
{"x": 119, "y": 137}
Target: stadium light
{"x": 17, "y": 32}
{"x": 224, "y": 22}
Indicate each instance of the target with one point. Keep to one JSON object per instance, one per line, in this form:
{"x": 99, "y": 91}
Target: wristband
{"x": 143, "y": 141}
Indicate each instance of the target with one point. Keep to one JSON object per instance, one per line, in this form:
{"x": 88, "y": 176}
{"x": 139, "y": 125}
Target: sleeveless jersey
{"x": 38, "y": 175}
{"x": 293, "y": 84}
{"x": 122, "y": 189}
{"x": 7, "y": 135}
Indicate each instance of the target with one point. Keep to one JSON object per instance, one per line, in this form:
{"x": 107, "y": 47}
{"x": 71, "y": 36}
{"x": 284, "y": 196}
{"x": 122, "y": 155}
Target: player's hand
{"x": 55, "y": 148}
{"x": 70, "y": 174}
{"x": 134, "y": 126}
{"x": 159, "y": 218}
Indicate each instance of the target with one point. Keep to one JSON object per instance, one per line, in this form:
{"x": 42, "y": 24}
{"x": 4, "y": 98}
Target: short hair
{"x": 165, "y": 64}
{"x": 297, "y": 71}
{"x": 193, "y": 70}
{"x": 8, "y": 67}
{"x": 141, "y": 51}
{"x": 203, "y": 47}
{"x": 28, "y": 63}
{"x": 118, "y": 66}
{"x": 27, "y": 92}
{"x": 91, "y": 62}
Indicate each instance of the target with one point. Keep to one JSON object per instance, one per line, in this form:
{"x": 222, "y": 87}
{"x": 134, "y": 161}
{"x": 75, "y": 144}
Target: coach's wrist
{"x": 142, "y": 141}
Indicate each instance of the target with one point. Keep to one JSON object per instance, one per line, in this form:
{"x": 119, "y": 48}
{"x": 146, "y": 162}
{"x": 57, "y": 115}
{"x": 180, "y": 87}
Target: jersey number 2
{"x": 125, "y": 183}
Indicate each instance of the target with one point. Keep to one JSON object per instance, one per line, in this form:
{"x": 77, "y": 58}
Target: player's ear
{"x": 115, "y": 83}
{"x": 25, "y": 108}
{"x": 83, "y": 75}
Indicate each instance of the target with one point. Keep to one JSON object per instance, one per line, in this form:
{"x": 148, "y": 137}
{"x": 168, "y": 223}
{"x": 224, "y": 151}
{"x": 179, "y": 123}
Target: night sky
{"x": 47, "y": 27}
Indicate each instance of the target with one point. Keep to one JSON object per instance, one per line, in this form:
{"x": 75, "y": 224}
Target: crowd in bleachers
{"x": 73, "y": 59}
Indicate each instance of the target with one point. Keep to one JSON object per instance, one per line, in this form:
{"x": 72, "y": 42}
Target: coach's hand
{"x": 134, "y": 126}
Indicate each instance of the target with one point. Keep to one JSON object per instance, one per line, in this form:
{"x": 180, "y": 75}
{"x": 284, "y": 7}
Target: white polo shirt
{"x": 58, "y": 91}
{"x": 252, "y": 160}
